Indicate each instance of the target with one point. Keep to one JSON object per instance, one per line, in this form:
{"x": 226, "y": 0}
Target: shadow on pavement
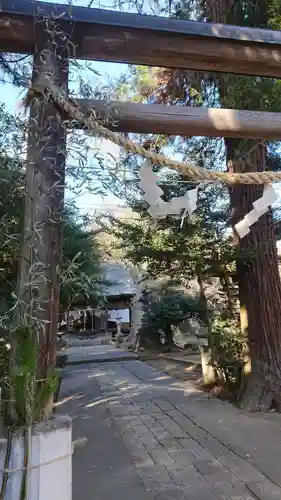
{"x": 102, "y": 467}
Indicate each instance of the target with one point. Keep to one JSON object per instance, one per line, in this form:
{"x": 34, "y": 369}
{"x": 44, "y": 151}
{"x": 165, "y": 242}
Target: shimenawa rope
{"x": 71, "y": 108}
{"x": 38, "y": 466}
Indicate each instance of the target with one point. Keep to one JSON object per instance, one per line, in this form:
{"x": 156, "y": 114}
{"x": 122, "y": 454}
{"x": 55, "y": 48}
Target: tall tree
{"x": 197, "y": 250}
{"x": 259, "y": 280}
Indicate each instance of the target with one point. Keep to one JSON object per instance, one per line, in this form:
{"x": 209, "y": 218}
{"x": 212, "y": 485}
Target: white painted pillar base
{"x": 52, "y": 446}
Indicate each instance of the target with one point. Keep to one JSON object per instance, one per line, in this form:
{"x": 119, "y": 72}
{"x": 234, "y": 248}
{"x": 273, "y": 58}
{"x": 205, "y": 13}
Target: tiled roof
{"x": 119, "y": 276}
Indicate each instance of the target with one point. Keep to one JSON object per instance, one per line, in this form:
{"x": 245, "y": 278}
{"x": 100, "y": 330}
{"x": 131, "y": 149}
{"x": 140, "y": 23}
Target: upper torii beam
{"x": 104, "y": 35}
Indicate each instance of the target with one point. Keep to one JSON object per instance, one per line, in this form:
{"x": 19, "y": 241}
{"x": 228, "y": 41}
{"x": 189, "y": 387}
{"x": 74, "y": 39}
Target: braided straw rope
{"x": 71, "y": 108}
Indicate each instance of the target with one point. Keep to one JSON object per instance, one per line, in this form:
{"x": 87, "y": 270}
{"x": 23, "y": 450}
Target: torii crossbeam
{"x": 139, "y": 39}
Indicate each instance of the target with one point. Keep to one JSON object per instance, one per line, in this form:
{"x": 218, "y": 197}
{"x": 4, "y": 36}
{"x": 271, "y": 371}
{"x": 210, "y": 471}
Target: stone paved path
{"x": 181, "y": 444}
{"x": 96, "y": 353}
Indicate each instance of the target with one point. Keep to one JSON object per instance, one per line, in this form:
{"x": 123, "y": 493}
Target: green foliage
{"x": 80, "y": 276}
{"x": 227, "y": 349}
{"x": 11, "y": 219}
{"x": 28, "y": 396}
{"x": 11, "y": 202}
{"x": 165, "y": 308}
{"x": 4, "y": 354}
{"x": 80, "y": 273}
{"x": 274, "y": 14}
{"x": 167, "y": 250}
{"x": 140, "y": 85}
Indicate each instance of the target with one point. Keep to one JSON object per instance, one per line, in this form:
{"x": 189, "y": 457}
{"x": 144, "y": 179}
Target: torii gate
{"x": 64, "y": 31}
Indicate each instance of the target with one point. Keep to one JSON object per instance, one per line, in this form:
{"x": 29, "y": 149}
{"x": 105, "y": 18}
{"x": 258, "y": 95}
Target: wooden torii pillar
{"x": 39, "y": 277}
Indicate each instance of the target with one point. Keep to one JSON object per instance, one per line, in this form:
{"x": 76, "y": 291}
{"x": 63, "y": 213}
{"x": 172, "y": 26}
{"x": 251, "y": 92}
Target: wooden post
{"x": 39, "y": 274}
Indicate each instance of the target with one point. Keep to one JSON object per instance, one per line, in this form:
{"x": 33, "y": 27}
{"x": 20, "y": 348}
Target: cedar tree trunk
{"x": 258, "y": 278}
{"x": 260, "y": 292}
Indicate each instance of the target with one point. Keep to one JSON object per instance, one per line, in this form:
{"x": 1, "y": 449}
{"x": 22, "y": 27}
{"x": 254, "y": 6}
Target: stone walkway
{"x": 92, "y": 353}
{"x": 180, "y": 444}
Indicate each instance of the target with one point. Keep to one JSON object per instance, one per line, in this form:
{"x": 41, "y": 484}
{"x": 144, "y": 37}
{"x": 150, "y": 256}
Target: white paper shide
{"x": 153, "y": 196}
{"x": 261, "y": 206}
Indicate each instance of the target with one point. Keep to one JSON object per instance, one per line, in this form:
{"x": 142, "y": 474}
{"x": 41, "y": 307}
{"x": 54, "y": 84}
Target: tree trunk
{"x": 169, "y": 336}
{"x": 227, "y": 288}
{"x": 258, "y": 278}
{"x": 259, "y": 291}
{"x": 204, "y": 304}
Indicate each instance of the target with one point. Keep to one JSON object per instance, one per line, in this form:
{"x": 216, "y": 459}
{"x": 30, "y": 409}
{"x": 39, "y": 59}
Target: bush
{"x": 165, "y": 308}
{"x": 228, "y": 346}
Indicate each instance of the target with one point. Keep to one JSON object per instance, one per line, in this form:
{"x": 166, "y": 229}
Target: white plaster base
{"x": 51, "y": 442}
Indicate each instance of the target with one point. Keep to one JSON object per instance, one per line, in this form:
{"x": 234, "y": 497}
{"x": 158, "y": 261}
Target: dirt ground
{"x": 191, "y": 374}
{"x": 177, "y": 370}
